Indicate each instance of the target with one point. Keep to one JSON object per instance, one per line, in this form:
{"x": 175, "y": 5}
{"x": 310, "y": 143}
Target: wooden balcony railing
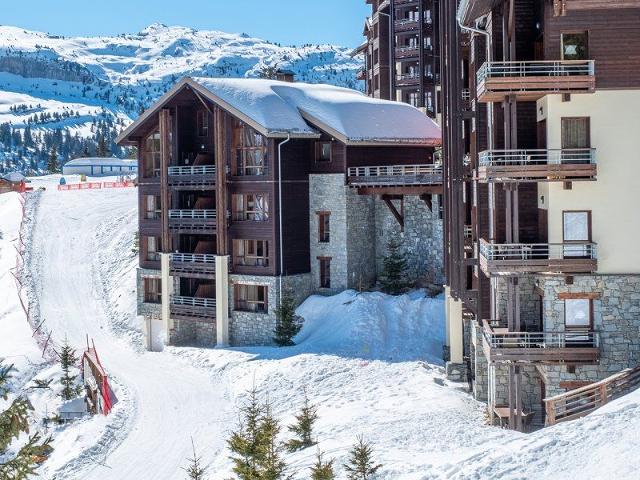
{"x": 514, "y": 258}
{"x": 193, "y": 265}
{"x": 407, "y": 79}
{"x": 390, "y": 175}
{"x": 531, "y": 80}
{"x": 193, "y": 170}
{"x": 194, "y": 221}
{"x": 406, "y": 24}
{"x": 201, "y": 176}
{"x": 192, "y": 308}
{"x": 582, "y": 401}
{"x": 541, "y": 165}
{"x": 407, "y": 52}
{"x": 546, "y": 347}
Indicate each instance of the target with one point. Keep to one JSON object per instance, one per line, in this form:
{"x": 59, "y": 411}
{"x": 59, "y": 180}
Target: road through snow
{"x": 167, "y": 401}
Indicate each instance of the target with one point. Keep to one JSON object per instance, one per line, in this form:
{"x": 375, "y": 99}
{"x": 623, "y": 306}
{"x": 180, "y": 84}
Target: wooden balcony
{"x": 520, "y": 258}
{"x": 407, "y": 80}
{"x": 192, "y": 265}
{"x": 192, "y": 221}
{"x": 574, "y": 347}
{"x": 406, "y": 25}
{"x": 531, "y": 80}
{"x": 192, "y": 308}
{"x": 202, "y": 177}
{"x": 407, "y": 52}
{"x": 546, "y": 165}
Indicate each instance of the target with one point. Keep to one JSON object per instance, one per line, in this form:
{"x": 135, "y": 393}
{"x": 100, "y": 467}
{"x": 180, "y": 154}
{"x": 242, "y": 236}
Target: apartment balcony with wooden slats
{"x": 520, "y": 258}
{"x": 394, "y": 175}
{"x": 573, "y": 347}
{"x": 193, "y": 265}
{"x": 198, "y": 177}
{"x": 399, "y": 3}
{"x": 531, "y": 80}
{"x": 541, "y": 165}
{"x": 193, "y": 308}
{"x": 407, "y": 52}
{"x": 192, "y": 221}
{"x": 407, "y": 80}
{"x": 406, "y": 25}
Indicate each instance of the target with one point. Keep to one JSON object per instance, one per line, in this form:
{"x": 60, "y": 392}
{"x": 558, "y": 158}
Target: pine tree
{"x": 303, "y": 427}
{"x": 361, "y": 465}
{"x": 102, "y": 150}
{"x": 271, "y": 466}
{"x": 245, "y": 442}
{"x": 394, "y": 267}
{"x": 195, "y": 470}
{"x": 322, "y": 470}
{"x": 288, "y": 323}
{"x": 68, "y": 360}
{"x": 24, "y": 464}
{"x": 268, "y": 71}
{"x": 52, "y": 163}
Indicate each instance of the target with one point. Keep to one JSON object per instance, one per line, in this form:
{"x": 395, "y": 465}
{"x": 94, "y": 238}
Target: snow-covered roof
{"x": 101, "y": 161}
{"x": 14, "y": 177}
{"x": 279, "y": 109}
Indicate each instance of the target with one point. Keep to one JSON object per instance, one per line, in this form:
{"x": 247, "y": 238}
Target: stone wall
{"x": 144, "y": 308}
{"x": 191, "y": 332}
{"x": 422, "y": 239}
{"x": 616, "y": 316}
{"x": 249, "y": 328}
{"x": 530, "y": 303}
{"x": 361, "y": 245}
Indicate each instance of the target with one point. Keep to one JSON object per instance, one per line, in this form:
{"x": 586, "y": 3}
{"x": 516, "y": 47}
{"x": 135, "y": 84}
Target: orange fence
{"x": 95, "y": 185}
{"x": 117, "y": 184}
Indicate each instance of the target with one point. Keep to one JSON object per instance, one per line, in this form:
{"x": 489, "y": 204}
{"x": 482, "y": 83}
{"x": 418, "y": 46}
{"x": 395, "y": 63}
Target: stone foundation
{"x": 456, "y": 372}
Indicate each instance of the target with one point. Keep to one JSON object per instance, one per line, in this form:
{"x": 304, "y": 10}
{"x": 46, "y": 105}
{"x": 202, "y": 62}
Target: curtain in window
{"x": 261, "y": 207}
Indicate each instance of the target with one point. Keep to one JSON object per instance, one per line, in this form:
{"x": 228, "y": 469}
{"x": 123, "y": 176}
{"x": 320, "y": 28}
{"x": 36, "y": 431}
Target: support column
{"x": 166, "y": 283}
{"x": 222, "y": 300}
{"x": 456, "y": 368}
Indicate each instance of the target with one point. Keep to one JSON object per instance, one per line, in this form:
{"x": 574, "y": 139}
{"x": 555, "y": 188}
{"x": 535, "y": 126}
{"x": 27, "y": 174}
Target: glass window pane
{"x": 576, "y": 226}
{"x": 574, "y": 46}
{"x": 577, "y": 312}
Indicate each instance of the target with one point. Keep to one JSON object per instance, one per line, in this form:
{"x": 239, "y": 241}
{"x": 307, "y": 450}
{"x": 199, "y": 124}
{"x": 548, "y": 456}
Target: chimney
{"x": 285, "y": 76}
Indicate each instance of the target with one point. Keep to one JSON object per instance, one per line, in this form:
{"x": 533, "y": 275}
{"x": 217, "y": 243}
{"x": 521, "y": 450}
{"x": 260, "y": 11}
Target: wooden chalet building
{"x": 541, "y": 222}
{"x": 401, "y": 53}
{"x": 249, "y": 187}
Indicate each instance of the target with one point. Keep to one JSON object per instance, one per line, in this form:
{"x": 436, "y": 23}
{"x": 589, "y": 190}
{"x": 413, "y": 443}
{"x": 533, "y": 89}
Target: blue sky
{"x": 284, "y": 21}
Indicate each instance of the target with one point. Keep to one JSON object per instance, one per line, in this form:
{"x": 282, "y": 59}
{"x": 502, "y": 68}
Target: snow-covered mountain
{"x": 91, "y": 86}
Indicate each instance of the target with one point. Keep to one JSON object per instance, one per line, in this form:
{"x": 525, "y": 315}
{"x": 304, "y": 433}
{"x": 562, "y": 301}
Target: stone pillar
{"x": 222, "y": 301}
{"x": 166, "y": 295}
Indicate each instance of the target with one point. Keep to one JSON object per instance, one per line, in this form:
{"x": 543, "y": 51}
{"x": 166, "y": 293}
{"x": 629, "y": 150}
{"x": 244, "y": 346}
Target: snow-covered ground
{"x": 369, "y": 361}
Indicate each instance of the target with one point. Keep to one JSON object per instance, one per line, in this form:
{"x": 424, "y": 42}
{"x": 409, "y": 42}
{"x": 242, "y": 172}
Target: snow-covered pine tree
{"x": 24, "y": 464}
{"x": 303, "y": 428}
{"x": 196, "y": 470}
{"x": 361, "y": 465}
{"x": 52, "y": 163}
{"x": 322, "y": 470}
{"x": 288, "y": 323}
{"x": 68, "y": 360}
{"x": 393, "y": 278}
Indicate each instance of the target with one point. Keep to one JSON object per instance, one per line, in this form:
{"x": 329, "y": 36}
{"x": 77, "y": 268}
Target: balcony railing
{"x": 578, "y": 346}
{"x": 568, "y": 164}
{"x": 514, "y": 258}
{"x": 388, "y": 175}
{"x": 407, "y": 52}
{"x": 407, "y": 79}
{"x": 193, "y": 308}
{"x": 195, "y": 214}
{"x": 193, "y": 258}
{"x": 192, "y": 221}
{"x": 194, "y": 265}
{"x": 406, "y": 24}
{"x": 531, "y": 80}
{"x": 193, "y": 170}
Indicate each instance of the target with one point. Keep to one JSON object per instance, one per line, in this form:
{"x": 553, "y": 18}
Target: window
{"x": 575, "y": 132}
{"x": 576, "y": 228}
{"x": 153, "y": 249}
{"x": 324, "y": 227}
{"x": 577, "y": 313}
{"x": 325, "y": 272}
{"x": 152, "y": 207}
{"x": 251, "y": 298}
{"x": 575, "y": 46}
{"x": 250, "y": 151}
{"x": 152, "y": 290}
{"x": 250, "y": 207}
{"x": 203, "y": 123}
{"x": 251, "y": 253}
{"x": 323, "y": 151}
{"x": 151, "y": 156}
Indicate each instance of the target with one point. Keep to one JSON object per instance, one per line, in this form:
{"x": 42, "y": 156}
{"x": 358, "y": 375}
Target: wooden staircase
{"x": 582, "y": 401}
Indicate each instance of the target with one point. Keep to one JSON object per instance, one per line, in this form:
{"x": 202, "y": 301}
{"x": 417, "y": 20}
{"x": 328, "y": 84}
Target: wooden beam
{"x": 427, "y": 199}
{"x": 220, "y": 134}
{"x": 579, "y": 295}
{"x": 165, "y": 155}
{"x": 398, "y": 215}
{"x": 409, "y": 190}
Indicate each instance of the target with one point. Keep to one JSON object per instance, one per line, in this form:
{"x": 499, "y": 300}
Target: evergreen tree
{"x": 394, "y": 267}
{"x": 68, "y": 360}
{"x": 24, "y": 464}
{"x": 245, "y": 442}
{"x": 288, "y": 323}
{"x": 195, "y": 470}
{"x": 361, "y": 465}
{"x": 303, "y": 427}
{"x": 102, "y": 150}
{"x": 271, "y": 466}
{"x": 322, "y": 470}
{"x": 268, "y": 71}
{"x": 52, "y": 164}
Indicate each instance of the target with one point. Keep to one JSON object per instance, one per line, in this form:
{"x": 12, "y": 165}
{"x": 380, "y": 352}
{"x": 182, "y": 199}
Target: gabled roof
{"x": 280, "y": 109}
{"x": 104, "y": 161}
{"x": 14, "y": 177}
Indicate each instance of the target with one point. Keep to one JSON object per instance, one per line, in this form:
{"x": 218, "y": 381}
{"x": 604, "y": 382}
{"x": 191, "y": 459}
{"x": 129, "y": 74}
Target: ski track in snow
{"x": 163, "y": 401}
